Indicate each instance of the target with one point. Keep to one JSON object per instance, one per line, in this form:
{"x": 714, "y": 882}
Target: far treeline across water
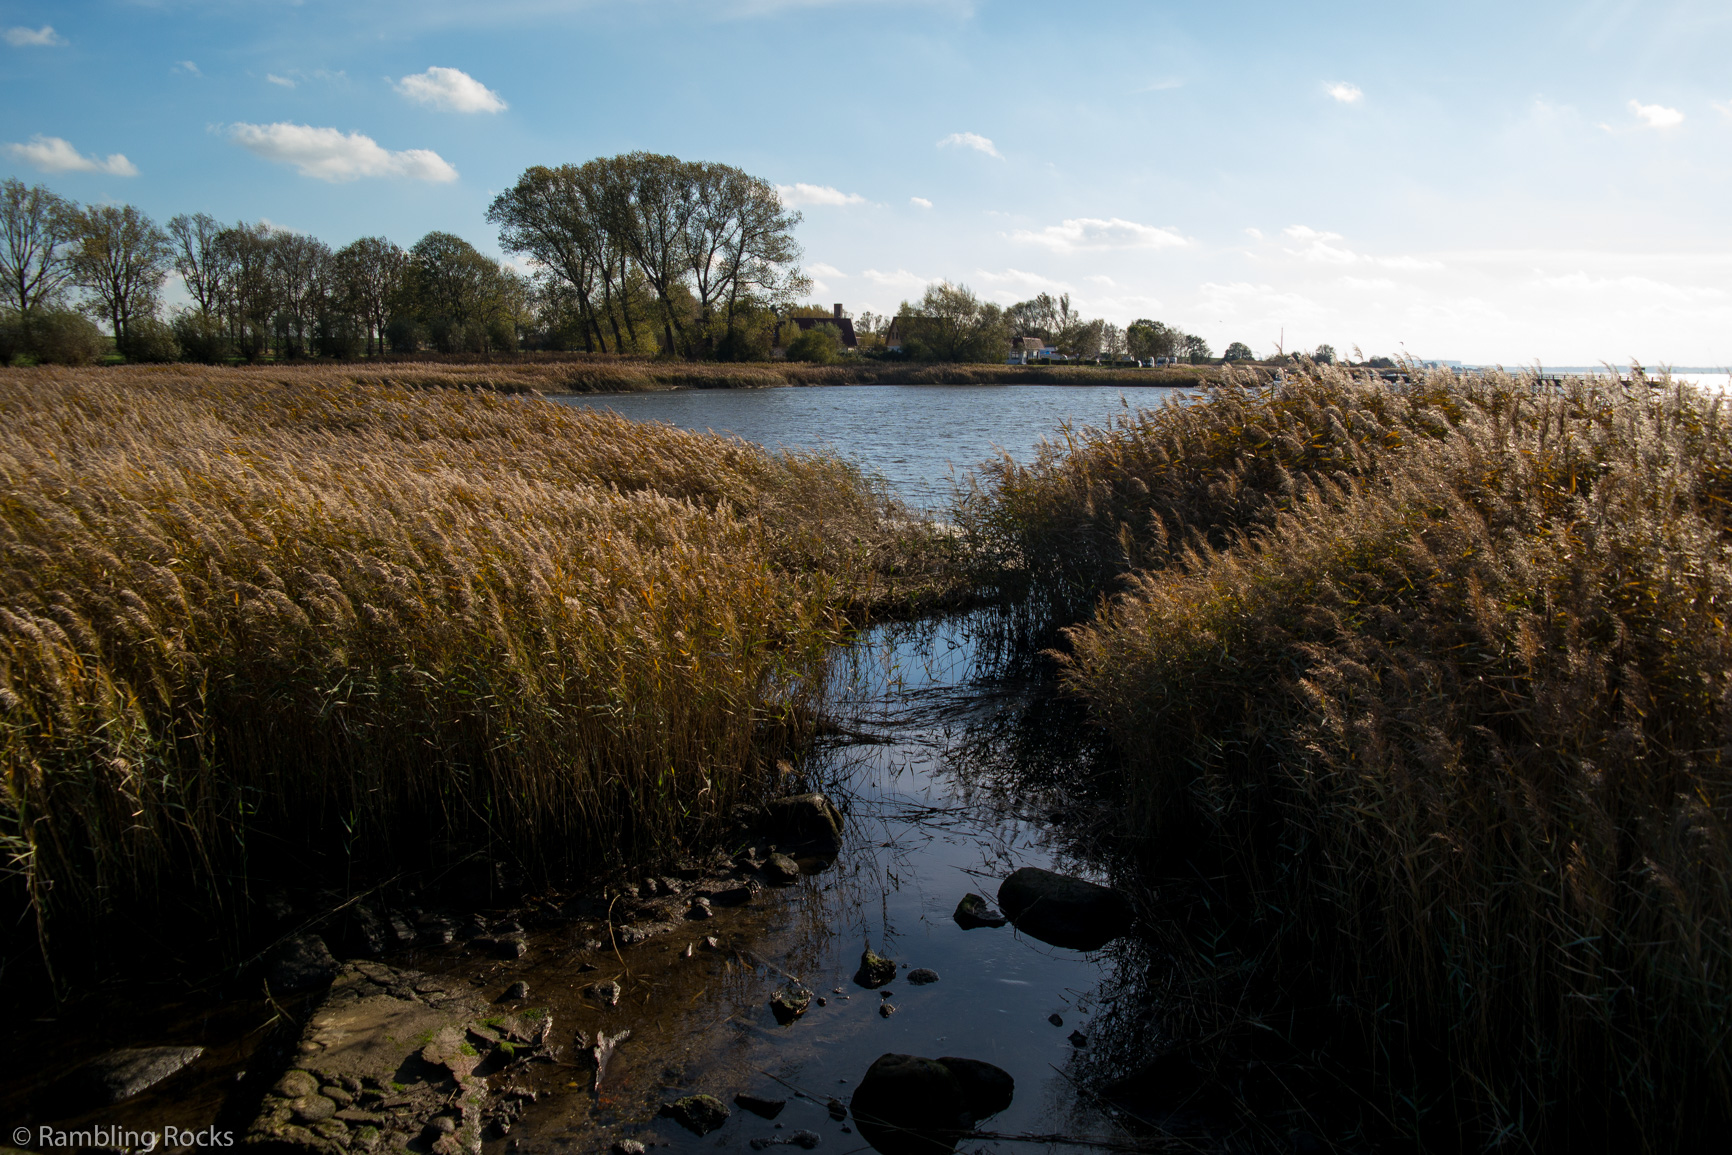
{"x": 638, "y": 255}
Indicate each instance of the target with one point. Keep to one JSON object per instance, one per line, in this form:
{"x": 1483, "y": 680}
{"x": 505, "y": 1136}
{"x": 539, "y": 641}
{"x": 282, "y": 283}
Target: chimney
{"x": 838, "y": 312}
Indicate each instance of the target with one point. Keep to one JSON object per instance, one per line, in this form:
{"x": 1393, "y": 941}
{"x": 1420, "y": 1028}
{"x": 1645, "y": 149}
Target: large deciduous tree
{"x": 37, "y": 235}
{"x": 369, "y": 276}
{"x": 121, "y": 259}
{"x": 951, "y": 324}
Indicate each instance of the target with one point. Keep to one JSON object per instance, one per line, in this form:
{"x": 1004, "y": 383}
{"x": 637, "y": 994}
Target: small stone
{"x": 313, "y": 1109}
{"x": 790, "y": 1003}
{"x": 304, "y": 962}
{"x": 710, "y": 943}
{"x": 782, "y": 870}
{"x": 887, "y": 1009}
{"x": 1055, "y": 1019}
{"x": 766, "y": 1108}
{"x": 806, "y": 1140}
{"x": 837, "y": 1111}
{"x": 515, "y": 993}
{"x": 920, "y": 976}
{"x": 444, "y": 1124}
{"x": 689, "y": 951}
{"x": 875, "y": 970}
{"x": 822, "y": 1001}
{"x": 628, "y": 1147}
{"x": 974, "y": 911}
{"x": 338, "y": 1095}
{"x": 608, "y": 992}
{"x": 697, "y": 1113}
{"x": 885, "y": 994}
{"x": 1078, "y": 1039}
{"x": 700, "y": 908}
{"x": 295, "y": 1085}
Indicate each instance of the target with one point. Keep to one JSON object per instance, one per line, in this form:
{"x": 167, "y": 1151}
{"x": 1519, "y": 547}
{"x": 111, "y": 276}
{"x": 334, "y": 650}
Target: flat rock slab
{"x": 1062, "y": 910}
{"x": 394, "y": 1057}
{"x": 124, "y": 1073}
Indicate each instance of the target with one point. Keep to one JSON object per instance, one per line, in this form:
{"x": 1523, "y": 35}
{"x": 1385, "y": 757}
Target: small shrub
{"x": 820, "y": 345}
{"x": 151, "y": 341}
{"x": 65, "y": 337}
{"x": 201, "y": 337}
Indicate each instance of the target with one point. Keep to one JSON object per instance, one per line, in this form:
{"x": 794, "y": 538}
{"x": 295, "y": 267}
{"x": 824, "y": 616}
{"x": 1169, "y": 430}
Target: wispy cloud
{"x": 920, "y": 202}
{"x": 1092, "y": 233}
{"x": 43, "y": 37}
{"x": 900, "y": 279}
{"x": 823, "y": 270}
{"x": 1166, "y": 85}
{"x": 187, "y": 66}
{"x": 1254, "y": 234}
{"x": 1344, "y": 92}
{"x": 452, "y": 90}
{"x": 282, "y": 81}
{"x": 1723, "y": 109}
{"x": 971, "y": 140}
{"x": 1656, "y": 115}
{"x": 331, "y": 155}
{"x": 1321, "y": 247}
{"x": 816, "y": 194}
{"x": 52, "y": 154}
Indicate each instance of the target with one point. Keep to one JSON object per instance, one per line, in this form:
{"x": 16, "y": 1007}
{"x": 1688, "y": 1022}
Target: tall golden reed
{"x": 252, "y": 626}
{"x": 1443, "y": 674}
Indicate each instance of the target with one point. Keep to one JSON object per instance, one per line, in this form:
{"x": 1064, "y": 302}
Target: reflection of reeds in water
{"x": 252, "y": 627}
{"x": 1437, "y": 678}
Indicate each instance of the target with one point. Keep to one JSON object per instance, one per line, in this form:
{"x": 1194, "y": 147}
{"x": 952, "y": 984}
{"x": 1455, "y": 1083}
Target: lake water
{"x": 918, "y": 437}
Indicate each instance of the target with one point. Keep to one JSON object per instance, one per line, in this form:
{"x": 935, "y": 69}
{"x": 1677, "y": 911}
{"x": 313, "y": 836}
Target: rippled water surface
{"x": 916, "y": 436}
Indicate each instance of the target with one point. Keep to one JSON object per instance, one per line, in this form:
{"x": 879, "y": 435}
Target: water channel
{"x": 934, "y": 721}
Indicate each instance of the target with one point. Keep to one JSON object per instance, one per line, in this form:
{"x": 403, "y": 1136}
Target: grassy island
{"x": 253, "y": 628}
{"x": 1433, "y": 684}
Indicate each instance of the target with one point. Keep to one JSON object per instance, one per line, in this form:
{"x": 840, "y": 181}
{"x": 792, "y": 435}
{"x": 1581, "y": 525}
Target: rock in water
{"x": 986, "y": 1089}
{"x": 974, "y": 911}
{"x": 124, "y": 1073}
{"x": 790, "y": 1003}
{"x": 920, "y": 976}
{"x": 697, "y": 1113}
{"x": 875, "y": 970}
{"x": 782, "y": 870}
{"x": 907, "y": 1105}
{"x": 767, "y": 1108}
{"x": 1064, "y": 911}
{"x": 628, "y": 1147}
{"x": 300, "y": 964}
{"x": 806, "y": 821}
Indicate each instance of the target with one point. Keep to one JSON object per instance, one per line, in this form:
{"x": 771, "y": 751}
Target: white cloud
{"x": 1723, "y": 109}
{"x": 187, "y": 66}
{"x": 1657, "y": 115}
{"x": 279, "y": 80}
{"x": 451, "y": 89}
{"x": 816, "y": 194}
{"x": 1035, "y": 282}
{"x": 331, "y": 155}
{"x": 824, "y": 270}
{"x": 1094, "y": 233}
{"x": 1315, "y": 246}
{"x": 970, "y": 140}
{"x": 52, "y": 154}
{"x": 1254, "y": 234}
{"x": 920, "y": 202}
{"x": 1162, "y": 85}
{"x": 1344, "y": 92}
{"x": 900, "y": 279}
{"x": 43, "y": 37}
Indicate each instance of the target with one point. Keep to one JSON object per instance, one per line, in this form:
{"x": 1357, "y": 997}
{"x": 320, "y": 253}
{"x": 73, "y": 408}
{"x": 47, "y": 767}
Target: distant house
{"x": 901, "y": 328}
{"x": 843, "y": 324}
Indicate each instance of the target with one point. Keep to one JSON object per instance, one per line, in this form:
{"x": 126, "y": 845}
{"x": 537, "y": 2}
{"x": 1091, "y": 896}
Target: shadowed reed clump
{"x": 251, "y": 630}
{"x": 1440, "y": 676}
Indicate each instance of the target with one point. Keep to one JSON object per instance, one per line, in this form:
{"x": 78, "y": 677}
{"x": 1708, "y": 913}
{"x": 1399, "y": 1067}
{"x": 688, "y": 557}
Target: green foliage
{"x": 149, "y": 340}
{"x": 65, "y": 337}
{"x": 1238, "y": 351}
{"x": 201, "y": 337}
{"x": 821, "y": 345}
{"x": 951, "y": 324}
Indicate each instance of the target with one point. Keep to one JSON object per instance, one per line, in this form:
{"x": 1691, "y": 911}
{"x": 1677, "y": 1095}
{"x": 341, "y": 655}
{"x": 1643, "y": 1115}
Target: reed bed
{"x": 1438, "y": 678}
{"x": 259, "y": 626}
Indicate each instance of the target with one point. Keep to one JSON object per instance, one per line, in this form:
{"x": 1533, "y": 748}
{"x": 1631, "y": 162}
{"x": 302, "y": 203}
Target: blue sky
{"x": 1502, "y": 182}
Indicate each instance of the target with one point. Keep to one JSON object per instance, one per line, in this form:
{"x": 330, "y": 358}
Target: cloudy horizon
{"x": 1481, "y": 183}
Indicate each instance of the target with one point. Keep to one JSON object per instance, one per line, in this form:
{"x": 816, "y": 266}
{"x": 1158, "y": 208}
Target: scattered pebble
{"x": 516, "y": 992}
{"x": 920, "y": 976}
{"x": 822, "y": 1002}
{"x": 887, "y": 1009}
{"x": 885, "y": 994}
{"x": 1078, "y": 1039}
{"x": 837, "y": 1111}
{"x": 1055, "y": 1019}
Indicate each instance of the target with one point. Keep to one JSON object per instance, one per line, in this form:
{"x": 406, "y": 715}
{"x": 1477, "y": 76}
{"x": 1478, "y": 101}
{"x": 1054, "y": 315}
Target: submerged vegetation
{"x": 1432, "y": 686}
{"x": 254, "y": 629}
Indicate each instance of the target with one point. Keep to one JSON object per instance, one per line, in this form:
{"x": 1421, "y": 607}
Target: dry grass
{"x": 255, "y": 623}
{"x": 1442, "y": 677}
